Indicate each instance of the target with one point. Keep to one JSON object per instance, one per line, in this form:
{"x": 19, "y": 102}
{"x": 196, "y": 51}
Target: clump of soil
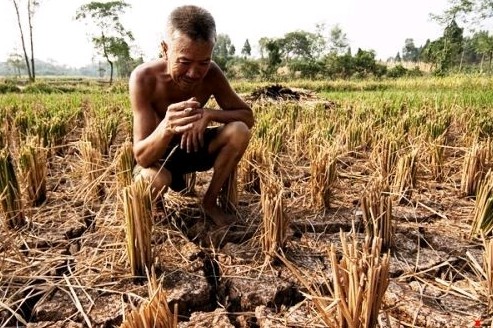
{"x": 277, "y": 92}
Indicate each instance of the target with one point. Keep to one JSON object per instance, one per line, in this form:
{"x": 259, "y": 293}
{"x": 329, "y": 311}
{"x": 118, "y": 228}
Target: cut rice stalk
{"x": 275, "y": 222}
{"x": 154, "y": 313}
{"x": 10, "y": 196}
{"x": 33, "y": 170}
{"x": 137, "y": 206}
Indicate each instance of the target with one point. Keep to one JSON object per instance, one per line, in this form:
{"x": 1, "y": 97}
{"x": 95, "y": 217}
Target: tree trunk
{"x": 491, "y": 59}
{"x": 29, "y": 15}
{"x": 28, "y": 66}
{"x": 461, "y": 61}
{"x": 481, "y": 65}
{"x": 111, "y": 71}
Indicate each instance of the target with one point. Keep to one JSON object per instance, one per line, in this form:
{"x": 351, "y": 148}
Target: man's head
{"x": 191, "y": 35}
{"x": 192, "y": 21}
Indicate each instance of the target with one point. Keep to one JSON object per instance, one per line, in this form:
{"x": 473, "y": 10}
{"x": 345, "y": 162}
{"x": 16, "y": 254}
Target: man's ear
{"x": 164, "y": 50}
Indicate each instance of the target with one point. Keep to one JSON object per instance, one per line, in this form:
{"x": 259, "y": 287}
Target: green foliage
{"x": 397, "y": 71}
{"x": 247, "y": 49}
{"x": 223, "y": 51}
{"x": 410, "y": 52}
{"x": 112, "y": 39}
{"x": 249, "y": 69}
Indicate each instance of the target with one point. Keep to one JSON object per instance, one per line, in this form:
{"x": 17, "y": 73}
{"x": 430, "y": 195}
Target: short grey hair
{"x": 195, "y": 22}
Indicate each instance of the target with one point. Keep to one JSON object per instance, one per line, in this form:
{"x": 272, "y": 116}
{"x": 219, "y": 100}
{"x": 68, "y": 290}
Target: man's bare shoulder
{"x": 147, "y": 74}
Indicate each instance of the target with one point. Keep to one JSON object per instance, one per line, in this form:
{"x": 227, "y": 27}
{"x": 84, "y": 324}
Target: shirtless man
{"x": 171, "y": 136}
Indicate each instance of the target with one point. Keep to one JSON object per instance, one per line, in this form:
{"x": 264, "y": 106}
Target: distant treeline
{"x": 43, "y": 68}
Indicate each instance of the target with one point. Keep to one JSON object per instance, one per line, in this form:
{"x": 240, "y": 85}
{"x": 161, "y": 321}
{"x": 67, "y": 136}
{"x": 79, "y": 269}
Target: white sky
{"x": 381, "y": 25}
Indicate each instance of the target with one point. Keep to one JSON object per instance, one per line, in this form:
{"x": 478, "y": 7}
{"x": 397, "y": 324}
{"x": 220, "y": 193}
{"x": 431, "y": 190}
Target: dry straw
{"x": 10, "y": 196}
{"x": 405, "y": 176}
{"x": 473, "y": 169}
{"x": 274, "y": 222}
{"x": 376, "y": 205}
{"x": 101, "y": 131}
{"x": 124, "y": 165}
{"x": 359, "y": 281}
{"x": 33, "y": 167}
{"x": 154, "y": 313}
{"x": 483, "y": 208}
{"x": 323, "y": 176}
{"x": 92, "y": 167}
{"x": 385, "y": 154}
{"x": 488, "y": 269}
{"x": 137, "y": 207}
{"x": 250, "y": 167}
{"x": 436, "y": 158}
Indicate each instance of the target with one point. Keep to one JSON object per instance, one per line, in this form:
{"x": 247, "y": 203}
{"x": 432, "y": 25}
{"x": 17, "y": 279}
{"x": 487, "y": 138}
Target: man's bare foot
{"x": 218, "y": 216}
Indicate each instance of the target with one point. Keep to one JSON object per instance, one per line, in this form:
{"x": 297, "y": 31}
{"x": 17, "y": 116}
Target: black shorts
{"x": 178, "y": 162}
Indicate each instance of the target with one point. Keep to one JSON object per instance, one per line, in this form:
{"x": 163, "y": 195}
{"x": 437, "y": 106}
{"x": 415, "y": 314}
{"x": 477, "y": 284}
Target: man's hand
{"x": 180, "y": 117}
{"x": 193, "y": 138}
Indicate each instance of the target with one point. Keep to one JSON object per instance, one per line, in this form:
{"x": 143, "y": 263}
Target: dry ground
{"x": 68, "y": 267}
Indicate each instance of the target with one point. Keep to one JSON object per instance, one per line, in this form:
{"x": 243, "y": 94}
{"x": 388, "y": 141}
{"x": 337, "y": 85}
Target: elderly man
{"x": 171, "y": 132}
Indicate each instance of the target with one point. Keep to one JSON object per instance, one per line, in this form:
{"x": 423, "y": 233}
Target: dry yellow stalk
{"x": 275, "y": 222}
{"x": 137, "y": 207}
{"x": 92, "y": 166}
{"x": 250, "y": 166}
{"x": 488, "y": 269}
{"x": 154, "y": 313}
{"x": 376, "y": 205}
{"x": 33, "y": 165}
{"x": 483, "y": 209}
{"x": 322, "y": 178}
{"x": 436, "y": 158}
{"x": 405, "y": 176}
{"x": 473, "y": 169}
{"x": 124, "y": 165}
{"x": 360, "y": 280}
{"x": 10, "y": 197}
{"x": 385, "y": 155}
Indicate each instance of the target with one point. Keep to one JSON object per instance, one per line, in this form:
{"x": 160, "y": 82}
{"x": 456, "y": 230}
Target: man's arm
{"x": 234, "y": 108}
{"x": 151, "y": 137}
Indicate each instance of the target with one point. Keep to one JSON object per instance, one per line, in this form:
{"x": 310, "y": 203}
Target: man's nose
{"x": 194, "y": 72}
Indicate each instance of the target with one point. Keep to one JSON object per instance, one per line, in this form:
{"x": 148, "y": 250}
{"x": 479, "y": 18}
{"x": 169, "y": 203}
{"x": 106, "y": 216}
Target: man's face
{"x": 188, "y": 60}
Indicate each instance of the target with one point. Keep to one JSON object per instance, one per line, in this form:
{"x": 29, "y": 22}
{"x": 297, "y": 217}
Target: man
{"x": 170, "y": 123}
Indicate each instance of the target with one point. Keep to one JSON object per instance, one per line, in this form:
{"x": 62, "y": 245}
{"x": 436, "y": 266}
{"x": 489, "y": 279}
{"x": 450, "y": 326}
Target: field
{"x": 361, "y": 204}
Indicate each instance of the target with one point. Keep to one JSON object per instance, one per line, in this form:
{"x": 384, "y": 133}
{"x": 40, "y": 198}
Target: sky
{"x": 380, "y": 25}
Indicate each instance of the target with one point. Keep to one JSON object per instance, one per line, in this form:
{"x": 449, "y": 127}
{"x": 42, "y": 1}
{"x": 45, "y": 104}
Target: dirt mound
{"x": 278, "y": 92}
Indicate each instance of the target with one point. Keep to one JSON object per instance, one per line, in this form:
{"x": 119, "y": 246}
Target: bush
{"x": 8, "y": 86}
{"x": 397, "y": 71}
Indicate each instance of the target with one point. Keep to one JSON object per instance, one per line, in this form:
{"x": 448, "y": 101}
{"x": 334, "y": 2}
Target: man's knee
{"x": 237, "y": 134}
{"x": 159, "y": 178}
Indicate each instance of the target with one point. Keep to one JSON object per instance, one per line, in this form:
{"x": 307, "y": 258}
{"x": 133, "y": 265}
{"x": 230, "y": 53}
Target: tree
{"x": 262, "y": 42}
{"x": 223, "y": 51}
{"x": 249, "y": 68}
{"x": 410, "y": 52}
{"x": 15, "y": 61}
{"x": 274, "y": 57}
{"x": 338, "y": 42}
{"x": 111, "y": 38}
{"x": 300, "y": 45}
{"x": 398, "y": 57}
{"x": 483, "y": 43}
{"x": 31, "y": 6}
{"x": 452, "y": 47}
{"x": 247, "y": 49}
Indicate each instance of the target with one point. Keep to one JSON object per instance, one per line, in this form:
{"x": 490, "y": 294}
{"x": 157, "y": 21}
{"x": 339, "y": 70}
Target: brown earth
{"x": 68, "y": 267}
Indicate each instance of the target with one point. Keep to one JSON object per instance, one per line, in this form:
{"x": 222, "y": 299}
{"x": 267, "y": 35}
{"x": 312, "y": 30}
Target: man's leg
{"x": 229, "y": 145}
{"x": 158, "y": 176}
